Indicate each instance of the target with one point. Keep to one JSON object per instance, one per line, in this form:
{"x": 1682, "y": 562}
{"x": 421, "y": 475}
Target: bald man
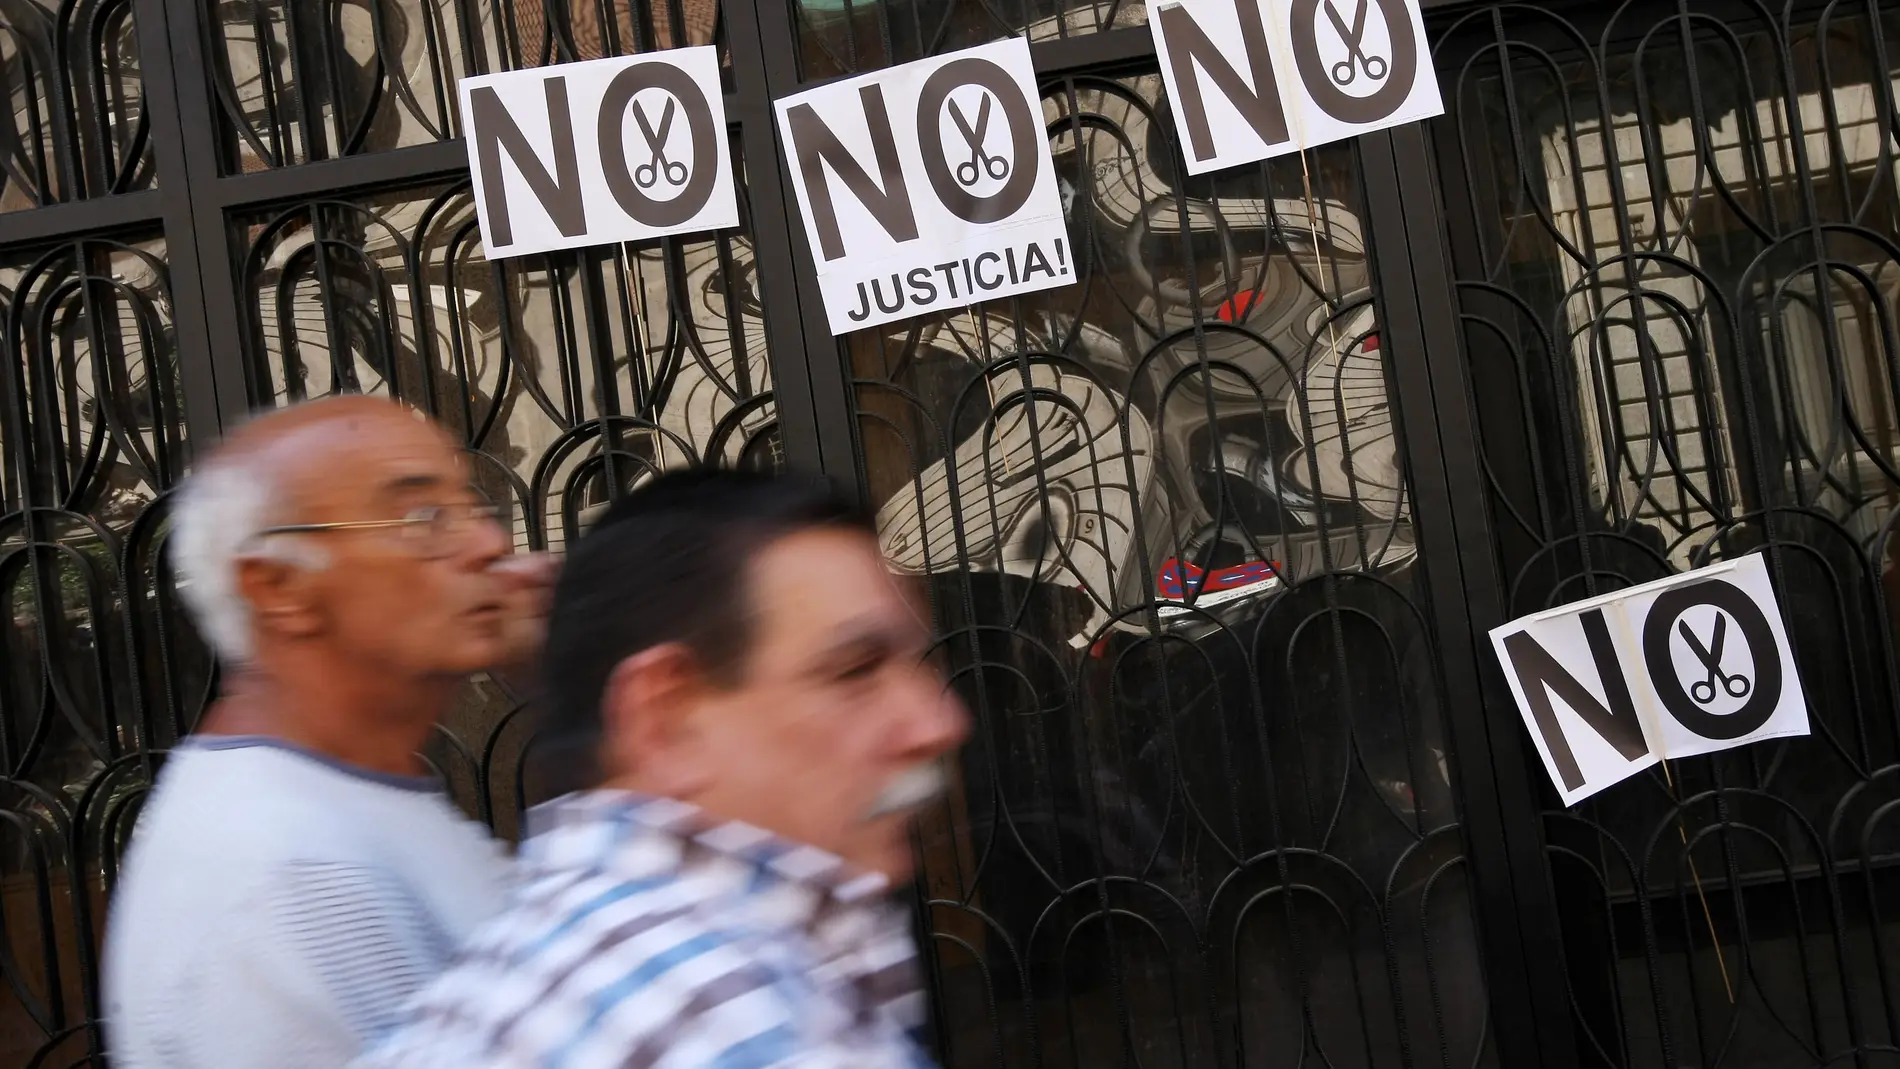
{"x": 295, "y": 875}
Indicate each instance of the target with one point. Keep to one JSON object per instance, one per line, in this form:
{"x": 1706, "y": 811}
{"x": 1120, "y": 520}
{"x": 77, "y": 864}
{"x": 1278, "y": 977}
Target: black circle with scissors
{"x": 1394, "y": 74}
{"x": 647, "y": 175}
{"x": 693, "y": 176}
{"x": 1346, "y": 71}
{"x": 981, "y": 161}
{"x": 1736, "y": 611}
{"x": 1704, "y": 691}
{"x": 1013, "y": 109}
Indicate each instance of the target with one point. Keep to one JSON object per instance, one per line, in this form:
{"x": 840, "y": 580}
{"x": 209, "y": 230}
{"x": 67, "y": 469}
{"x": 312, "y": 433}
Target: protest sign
{"x": 608, "y": 150}
{"x": 927, "y": 186}
{"x": 1683, "y": 666}
{"x": 1252, "y": 79}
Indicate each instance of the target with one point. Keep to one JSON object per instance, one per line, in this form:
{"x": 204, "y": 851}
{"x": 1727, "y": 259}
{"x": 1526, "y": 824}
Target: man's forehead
{"x": 834, "y": 586}
{"x": 379, "y": 455}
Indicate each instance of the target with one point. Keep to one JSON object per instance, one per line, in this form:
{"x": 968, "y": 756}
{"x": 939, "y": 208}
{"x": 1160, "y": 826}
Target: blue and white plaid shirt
{"x": 645, "y": 933}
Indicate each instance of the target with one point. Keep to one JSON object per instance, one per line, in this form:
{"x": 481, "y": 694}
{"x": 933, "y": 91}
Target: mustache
{"x": 910, "y": 789}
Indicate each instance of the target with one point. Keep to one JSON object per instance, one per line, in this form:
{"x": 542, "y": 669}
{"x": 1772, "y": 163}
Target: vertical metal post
{"x": 808, "y": 378}
{"x": 199, "y": 169}
{"x": 1499, "y": 802}
{"x": 198, "y": 370}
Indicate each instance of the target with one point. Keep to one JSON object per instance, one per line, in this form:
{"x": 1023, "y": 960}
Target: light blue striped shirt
{"x": 277, "y": 908}
{"x": 644, "y": 934}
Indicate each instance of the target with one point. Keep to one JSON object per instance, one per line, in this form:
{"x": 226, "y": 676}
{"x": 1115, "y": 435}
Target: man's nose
{"x": 939, "y": 722}
{"x": 484, "y": 540}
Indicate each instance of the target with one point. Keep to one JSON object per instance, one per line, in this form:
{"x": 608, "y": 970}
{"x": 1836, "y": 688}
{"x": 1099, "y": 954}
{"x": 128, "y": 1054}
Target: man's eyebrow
{"x": 870, "y": 634}
{"x": 406, "y": 484}
{"x": 856, "y": 636}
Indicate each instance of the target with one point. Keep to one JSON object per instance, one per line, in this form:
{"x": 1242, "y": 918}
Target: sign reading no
{"x": 1687, "y": 665}
{"x": 927, "y": 186}
{"x": 1250, "y": 79}
{"x": 608, "y": 150}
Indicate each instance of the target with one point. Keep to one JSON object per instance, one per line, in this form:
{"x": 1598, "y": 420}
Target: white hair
{"x": 218, "y": 519}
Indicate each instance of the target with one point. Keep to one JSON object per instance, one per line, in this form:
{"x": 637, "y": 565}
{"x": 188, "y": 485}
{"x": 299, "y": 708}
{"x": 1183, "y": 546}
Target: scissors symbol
{"x": 980, "y": 161}
{"x": 647, "y": 175}
{"x": 1344, "y": 72}
{"x": 1704, "y": 692}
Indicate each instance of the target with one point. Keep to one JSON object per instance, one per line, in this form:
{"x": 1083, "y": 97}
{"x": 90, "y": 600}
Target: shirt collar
{"x": 608, "y": 818}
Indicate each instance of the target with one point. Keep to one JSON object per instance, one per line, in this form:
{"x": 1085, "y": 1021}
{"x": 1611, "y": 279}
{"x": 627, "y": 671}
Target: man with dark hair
{"x": 740, "y": 689}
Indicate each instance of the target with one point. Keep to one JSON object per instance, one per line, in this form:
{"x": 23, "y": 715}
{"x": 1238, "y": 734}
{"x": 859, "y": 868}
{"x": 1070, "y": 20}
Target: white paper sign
{"x": 1251, "y": 79}
{"x": 927, "y": 186}
{"x": 623, "y": 149}
{"x": 1687, "y": 665}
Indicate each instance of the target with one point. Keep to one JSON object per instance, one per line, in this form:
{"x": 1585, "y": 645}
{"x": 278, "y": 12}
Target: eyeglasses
{"x": 430, "y": 529}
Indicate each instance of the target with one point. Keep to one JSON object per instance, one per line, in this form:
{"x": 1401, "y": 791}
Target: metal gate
{"x": 1674, "y": 237}
{"x": 1212, "y": 537}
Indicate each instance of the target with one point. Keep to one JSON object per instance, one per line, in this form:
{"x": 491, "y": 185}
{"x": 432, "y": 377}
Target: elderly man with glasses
{"x": 295, "y": 876}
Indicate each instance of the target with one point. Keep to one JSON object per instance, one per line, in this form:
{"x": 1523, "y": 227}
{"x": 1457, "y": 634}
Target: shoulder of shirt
{"x": 639, "y": 905}
{"x": 260, "y": 806}
{"x": 657, "y": 960}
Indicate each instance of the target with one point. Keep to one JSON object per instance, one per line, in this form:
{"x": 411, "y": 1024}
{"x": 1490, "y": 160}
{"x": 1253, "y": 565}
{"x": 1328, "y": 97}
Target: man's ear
{"x": 651, "y": 737}
{"x": 282, "y": 596}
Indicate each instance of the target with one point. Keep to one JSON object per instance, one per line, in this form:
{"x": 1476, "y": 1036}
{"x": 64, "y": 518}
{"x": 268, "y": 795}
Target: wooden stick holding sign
{"x": 1314, "y": 71}
{"x": 1687, "y": 665}
{"x": 927, "y": 186}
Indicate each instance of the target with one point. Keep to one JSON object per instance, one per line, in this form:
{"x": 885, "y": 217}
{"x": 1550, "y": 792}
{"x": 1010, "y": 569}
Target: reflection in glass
{"x": 1677, "y": 277}
{"x": 75, "y": 124}
{"x": 297, "y": 81}
{"x": 101, "y": 667}
{"x": 840, "y": 37}
{"x": 1164, "y": 525}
